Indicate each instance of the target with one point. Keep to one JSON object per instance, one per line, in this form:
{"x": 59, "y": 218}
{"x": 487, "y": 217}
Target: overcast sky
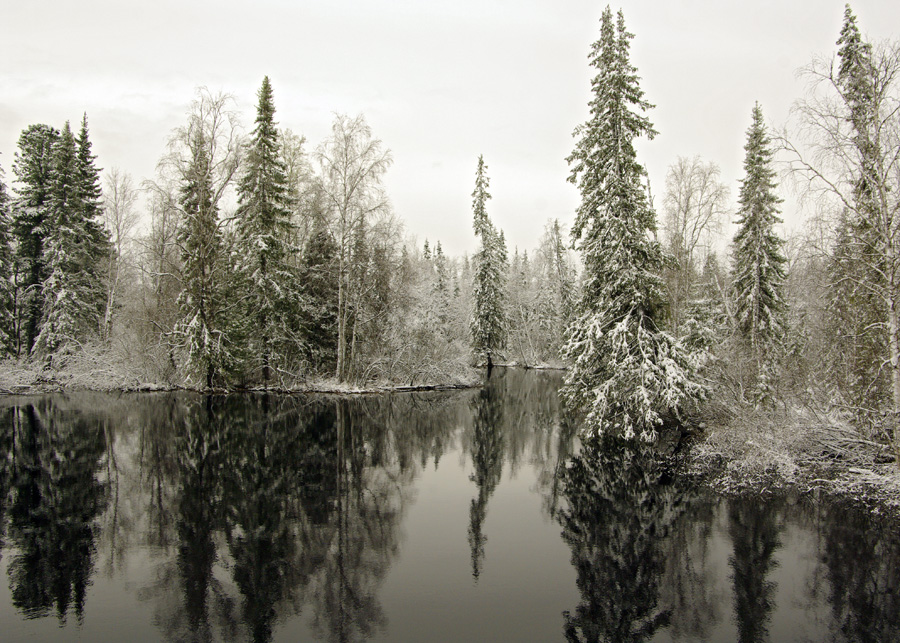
{"x": 439, "y": 82}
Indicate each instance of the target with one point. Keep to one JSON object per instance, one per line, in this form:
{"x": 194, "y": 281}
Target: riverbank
{"x": 792, "y": 448}
{"x": 94, "y": 374}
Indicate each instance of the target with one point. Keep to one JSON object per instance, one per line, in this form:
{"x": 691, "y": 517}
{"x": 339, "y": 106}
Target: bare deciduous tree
{"x": 120, "y": 218}
{"x": 352, "y": 164}
{"x": 695, "y": 204}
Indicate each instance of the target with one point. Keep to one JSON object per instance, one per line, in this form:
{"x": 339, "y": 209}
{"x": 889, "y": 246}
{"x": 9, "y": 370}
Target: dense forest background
{"x": 263, "y": 261}
{"x": 260, "y": 262}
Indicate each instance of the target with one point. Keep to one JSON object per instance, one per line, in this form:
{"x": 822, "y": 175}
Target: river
{"x": 448, "y": 516}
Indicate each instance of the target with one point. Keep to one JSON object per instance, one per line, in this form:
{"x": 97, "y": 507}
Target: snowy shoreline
{"x": 876, "y": 486}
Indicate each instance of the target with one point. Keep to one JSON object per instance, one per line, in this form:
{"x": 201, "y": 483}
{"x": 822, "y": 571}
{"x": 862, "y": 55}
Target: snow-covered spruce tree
{"x": 626, "y": 373}
{"x": 201, "y": 249}
{"x": 848, "y": 148}
{"x": 75, "y": 246}
{"x": 203, "y": 159}
{"x": 34, "y": 176}
{"x": 263, "y": 244}
{"x": 489, "y": 281}
{"x": 561, "y": 274}
{"x": 7, "y": 270}
{"x": 758, "y": 270}
{"x": 95, "y": 237}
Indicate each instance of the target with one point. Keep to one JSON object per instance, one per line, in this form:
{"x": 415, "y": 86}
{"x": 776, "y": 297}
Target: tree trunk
{"x": 339, "y": 369}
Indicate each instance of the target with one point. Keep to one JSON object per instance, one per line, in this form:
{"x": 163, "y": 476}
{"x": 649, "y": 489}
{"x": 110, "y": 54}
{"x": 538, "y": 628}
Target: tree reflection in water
{"x": 56, "y": 501}
{"x": 249, "y": 517}
{"x": 284, "y": 494}
{"x": 488, "y": 451}
{"x": 754, "y": 528}
{"x": 619, "y": 505}
{"x": 861, "y": 554}
{"x": 6, "y": 469}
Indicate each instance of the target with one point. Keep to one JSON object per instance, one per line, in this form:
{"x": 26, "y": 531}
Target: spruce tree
{"x": 90, "y": 204}
{"x": 66, "y": 290}
{"x": 263, "y": 231}
{"x": 200, "y": 301}
{"x": 32, "y": 168}
{"x": 320, "y": 296}
{"x": 489, "y": 287}
{"x": 7, "y": 270}
{"x": 440, "y": 291}
{"x": 626, "y": 373}
{"x": 758, "y": 272}
{"x": 75, "y": 245}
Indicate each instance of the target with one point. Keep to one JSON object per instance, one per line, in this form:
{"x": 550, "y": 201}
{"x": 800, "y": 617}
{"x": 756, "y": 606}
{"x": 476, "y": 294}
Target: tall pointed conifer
{"x": 200, "y": 301}
{"x": 759, "y": 267}
{"x": 76, "y": 244}
{"x": 489, "y": 283}
{"x": 65, "y": 289}
{"x": 626, "y": 373}
{"x": 33, "y": 170}
{"x": 7, "y": 268}
{"x": 264, "y": 231}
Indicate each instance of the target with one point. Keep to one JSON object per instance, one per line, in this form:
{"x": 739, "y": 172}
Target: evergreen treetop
{"x": 615, "y": 204}
{"x": 263, "y": 189}
{"x": 479, "y": 199}
{"x": 90, "y": 193}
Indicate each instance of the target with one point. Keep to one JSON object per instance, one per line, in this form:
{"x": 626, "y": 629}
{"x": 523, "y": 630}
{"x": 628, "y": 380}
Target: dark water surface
{"x": 471, "y": 516}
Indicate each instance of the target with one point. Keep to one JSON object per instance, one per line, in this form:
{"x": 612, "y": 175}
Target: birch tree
{"x": 695, "y": 204}
{"x": 120, "y": 218}
{"x": 352, "y": 164}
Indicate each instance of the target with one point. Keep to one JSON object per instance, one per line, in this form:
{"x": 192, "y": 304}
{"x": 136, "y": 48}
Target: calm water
{"x": 471, "y": 516}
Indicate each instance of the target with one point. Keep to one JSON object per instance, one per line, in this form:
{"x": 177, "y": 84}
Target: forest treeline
{"x": 263, "y": 263}
{"x": 267, "y": 263}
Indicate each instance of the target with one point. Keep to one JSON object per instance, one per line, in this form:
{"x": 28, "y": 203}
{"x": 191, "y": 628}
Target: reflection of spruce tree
{"x": 487, "y": 461}
{"x": 317, "y": 462}
{"x": 56, "y": 502}
{"x": 6, "y": 452}
{"x": 862, "y": 556}
{"x": 157, "y": 464}
{"x": 260, "y": 451}
{"x": 196, "y": 519}
{"x": 754, "y": 531}
{"x": 620, "y": 506}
